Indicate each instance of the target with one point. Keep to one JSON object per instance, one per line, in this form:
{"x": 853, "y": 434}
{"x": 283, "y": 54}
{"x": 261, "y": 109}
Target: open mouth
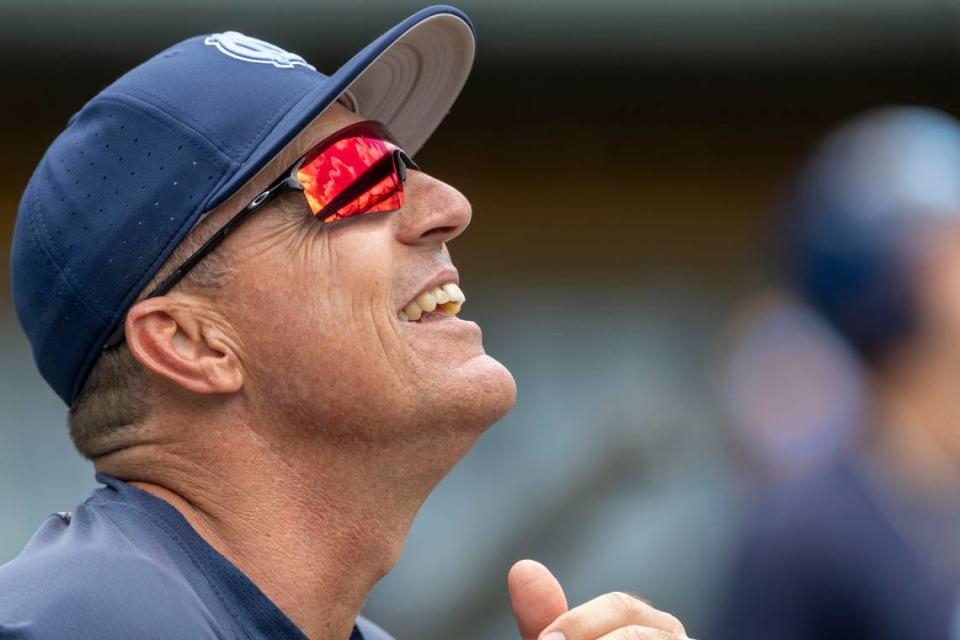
{"x": 446, "y": 299}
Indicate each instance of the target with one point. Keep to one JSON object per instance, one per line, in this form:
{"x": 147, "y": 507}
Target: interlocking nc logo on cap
{"x": 236, "y": 45}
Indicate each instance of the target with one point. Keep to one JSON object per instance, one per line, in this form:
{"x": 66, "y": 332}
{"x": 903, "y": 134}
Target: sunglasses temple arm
{"x": 218, "y": 238}
{"x": 212, "y": 243}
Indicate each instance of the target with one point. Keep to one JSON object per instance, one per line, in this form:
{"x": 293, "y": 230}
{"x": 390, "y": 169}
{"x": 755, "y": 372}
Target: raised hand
{"x": 540, "y": 608}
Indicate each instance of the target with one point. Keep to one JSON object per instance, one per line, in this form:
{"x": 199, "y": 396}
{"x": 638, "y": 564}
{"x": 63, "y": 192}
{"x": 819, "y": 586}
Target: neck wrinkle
{"x": 323, "y": 526}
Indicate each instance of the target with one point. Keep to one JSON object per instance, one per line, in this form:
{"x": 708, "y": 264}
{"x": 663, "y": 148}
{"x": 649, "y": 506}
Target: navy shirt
{"x": 842, "y": 556}
{"x": 126, "y": 564}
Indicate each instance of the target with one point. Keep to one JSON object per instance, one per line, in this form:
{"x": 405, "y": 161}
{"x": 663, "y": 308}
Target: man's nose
{"x": 433, "y": 211}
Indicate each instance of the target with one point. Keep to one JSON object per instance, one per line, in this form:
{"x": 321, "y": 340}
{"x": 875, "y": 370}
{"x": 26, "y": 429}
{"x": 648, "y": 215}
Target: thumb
{"x": 536, "y": 596}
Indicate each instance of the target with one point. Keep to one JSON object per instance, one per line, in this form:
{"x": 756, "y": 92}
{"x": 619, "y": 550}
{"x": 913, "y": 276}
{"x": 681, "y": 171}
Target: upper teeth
{"x": 448, "y": 297}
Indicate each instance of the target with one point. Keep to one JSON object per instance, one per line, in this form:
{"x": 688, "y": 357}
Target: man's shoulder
{"x": 63, "y": 588}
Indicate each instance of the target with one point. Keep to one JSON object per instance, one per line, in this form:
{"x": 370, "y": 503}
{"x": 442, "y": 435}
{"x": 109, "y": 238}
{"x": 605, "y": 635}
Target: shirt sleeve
{"x": 61, "y": 597}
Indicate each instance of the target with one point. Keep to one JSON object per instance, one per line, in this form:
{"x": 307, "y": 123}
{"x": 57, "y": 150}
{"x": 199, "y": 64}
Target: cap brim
{"x": 408, "y": 78}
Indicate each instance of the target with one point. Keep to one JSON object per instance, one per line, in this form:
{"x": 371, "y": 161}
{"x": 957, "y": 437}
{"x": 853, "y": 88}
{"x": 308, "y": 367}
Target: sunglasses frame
{"x": 397, "y": 160}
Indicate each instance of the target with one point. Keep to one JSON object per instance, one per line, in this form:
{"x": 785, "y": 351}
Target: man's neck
{"x": 314, "y": 529}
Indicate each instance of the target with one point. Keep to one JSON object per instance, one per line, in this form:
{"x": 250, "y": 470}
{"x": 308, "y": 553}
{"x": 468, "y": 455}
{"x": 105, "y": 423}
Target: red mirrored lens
{"x": 331, "y": 173}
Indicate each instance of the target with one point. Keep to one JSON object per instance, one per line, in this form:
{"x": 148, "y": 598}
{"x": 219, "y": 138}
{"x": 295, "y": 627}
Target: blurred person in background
{"x": 791, "y": 389}
{"x": 868, "y": 546}
{"x": 240, "y": 285}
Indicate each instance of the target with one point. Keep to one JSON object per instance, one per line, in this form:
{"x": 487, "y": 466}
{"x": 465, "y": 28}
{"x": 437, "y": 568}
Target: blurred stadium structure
{"x": 621, "y": 158}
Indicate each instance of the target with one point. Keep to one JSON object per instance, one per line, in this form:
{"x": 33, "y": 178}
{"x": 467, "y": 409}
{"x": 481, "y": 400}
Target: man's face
{"x": 316, "y": 309}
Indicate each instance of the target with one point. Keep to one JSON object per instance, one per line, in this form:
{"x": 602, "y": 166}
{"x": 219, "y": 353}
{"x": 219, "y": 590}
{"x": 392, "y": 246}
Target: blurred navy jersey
{"x": 840, "y": 555}
{"x": 127, "y": 565}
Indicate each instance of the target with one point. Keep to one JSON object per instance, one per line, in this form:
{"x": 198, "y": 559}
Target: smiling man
{"x": 233, "y": 273}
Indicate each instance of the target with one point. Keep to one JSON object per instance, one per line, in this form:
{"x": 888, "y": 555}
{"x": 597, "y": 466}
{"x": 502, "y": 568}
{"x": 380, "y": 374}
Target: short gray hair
{"x": 113, "y": 404}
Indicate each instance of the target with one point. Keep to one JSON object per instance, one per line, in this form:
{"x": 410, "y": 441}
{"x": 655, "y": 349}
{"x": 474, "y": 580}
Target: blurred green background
{"x": 621, "y": 158}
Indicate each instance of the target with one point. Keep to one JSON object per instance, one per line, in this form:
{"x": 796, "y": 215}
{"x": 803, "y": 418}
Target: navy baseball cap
{"x": 141, "y": 162}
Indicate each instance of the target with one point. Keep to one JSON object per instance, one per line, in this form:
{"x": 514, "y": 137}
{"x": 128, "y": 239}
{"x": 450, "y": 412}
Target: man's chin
{"x": 463, "y": 382}
{"x": 489, "y": 394}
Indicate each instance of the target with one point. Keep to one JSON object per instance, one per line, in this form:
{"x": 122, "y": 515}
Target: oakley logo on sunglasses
{"x": 236, "y": 45}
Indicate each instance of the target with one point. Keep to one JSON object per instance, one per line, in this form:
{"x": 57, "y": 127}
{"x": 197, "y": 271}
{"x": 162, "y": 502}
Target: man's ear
{"x": 183, "y": 346}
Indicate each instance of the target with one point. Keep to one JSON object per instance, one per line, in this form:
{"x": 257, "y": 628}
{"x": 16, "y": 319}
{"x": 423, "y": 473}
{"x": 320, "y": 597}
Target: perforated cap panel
{"x": 173, "y": 138}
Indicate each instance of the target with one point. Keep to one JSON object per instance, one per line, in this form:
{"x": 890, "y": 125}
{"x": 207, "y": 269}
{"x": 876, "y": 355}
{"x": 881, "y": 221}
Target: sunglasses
{"x": 358, "y": 170}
